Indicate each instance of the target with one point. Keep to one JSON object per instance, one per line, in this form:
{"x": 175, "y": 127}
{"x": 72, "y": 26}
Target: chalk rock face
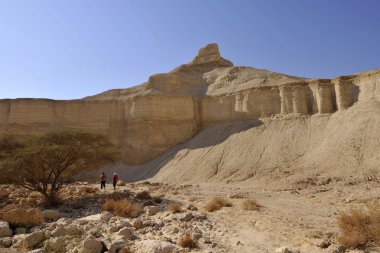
{"x": 170, "y": 108}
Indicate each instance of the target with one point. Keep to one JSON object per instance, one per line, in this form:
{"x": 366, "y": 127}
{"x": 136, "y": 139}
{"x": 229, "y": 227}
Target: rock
{"x": 34, "y": 229}
{"x": 155, "y": 246}
{"x": 57, "y": 244}
{"x": 191, "y": 207}
{"x": 137, "y": 224}
{"x": 282, "y": 250}
{"x": 106, "y": 216}
{"x": 6, "y": 242}
{"x": 51, "y": 214}
{"x": 152, "y": 210}
{"x": 37, "y": 251}
{"x": 92, "y": 246}
{"x": 32, "y": 240}
{"x": 20, "y": 230}
{"x": 59, "y": 231}
{"x": 116, "y": 246}
{"x": 185, "y": 216}
{"x": 5, "y": 231}
{"x": 113, "y": 229}
{"x": 210, "y": 54}
{"x": 126, "y": 232}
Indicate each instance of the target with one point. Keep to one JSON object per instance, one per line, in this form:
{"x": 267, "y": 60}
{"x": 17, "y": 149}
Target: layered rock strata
{"x": 171, "y": 108}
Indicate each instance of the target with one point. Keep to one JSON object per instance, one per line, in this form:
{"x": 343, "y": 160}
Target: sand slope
{"x": 287, "y": 149}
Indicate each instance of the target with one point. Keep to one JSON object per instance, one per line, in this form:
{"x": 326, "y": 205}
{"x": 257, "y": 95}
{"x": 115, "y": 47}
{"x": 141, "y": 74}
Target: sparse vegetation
{"x": 360, "y": 227}
{"x": 250, "y": 205}
{"x": 121, "y": 183}
{"x": 24, "y": 218}
{"x": 122, "y": 208}
{"x": 143, "y": 195}
{"x": 193, "y": 199}
{"x": 44, "y": 163}
{"x": 217, "y": 203}
{"x": 175, "y": 207}
{"x": 187, "y": 241}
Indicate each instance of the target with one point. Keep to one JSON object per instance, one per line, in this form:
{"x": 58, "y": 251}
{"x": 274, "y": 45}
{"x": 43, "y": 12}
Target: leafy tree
{"x": 45, "y": 163}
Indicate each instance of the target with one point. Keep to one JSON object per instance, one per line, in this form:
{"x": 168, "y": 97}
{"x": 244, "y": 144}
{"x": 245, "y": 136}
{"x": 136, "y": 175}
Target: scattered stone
{"x": 21, "y": 230}
{"x": 152, "y": 210}
{"x": 92, "y": 246}
{"x": 51, "y": 214}
{"x": 32, "y": 240}
{"x": 59, "y": 231}
{"x": 282, "y": 250}
{"x": 106, "y": 216}
{"x": 185, "y": 216}
{"x": 5, "y": 231}
{"x": 6, "y": 242}
{"x": 126, "y": 232}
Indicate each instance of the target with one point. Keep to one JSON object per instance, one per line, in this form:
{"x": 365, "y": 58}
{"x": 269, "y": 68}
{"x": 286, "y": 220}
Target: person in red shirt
{"x": 115, "y": 178}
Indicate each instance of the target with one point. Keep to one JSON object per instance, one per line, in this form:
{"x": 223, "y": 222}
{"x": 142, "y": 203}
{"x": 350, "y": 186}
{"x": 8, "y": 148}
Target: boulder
{"x": 92, "y": 246}
{"x": 32, "y": 240}
{"x": 21, "y": 230}
{"x": 57, "y": 244}
{"x": 5, "y": 231}
{"x": 59, "y": 231}
{"x": 51, "y": 214}
{"x": 6, "y": 242}
{"x": 126, "y": 232}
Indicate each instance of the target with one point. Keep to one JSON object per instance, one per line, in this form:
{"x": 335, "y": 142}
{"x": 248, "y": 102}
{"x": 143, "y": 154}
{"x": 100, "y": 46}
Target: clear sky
{"x": 74, "y": 48}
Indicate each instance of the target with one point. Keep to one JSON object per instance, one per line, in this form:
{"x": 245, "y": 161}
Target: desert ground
{"x": 288, "y": 220}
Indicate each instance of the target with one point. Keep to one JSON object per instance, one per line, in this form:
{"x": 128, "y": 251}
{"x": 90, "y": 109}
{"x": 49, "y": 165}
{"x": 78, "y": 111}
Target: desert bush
{"x": 217, "y": 203}
{"x": 26, "y": 218}
{"x": 360, "y": 226}
{"x": 45, "y": 163}
{"x": 187, "y": 241}
{"x": 121, "y": 183}
{"x": 143, "y": 195}
{"x": 250, "y": 205}
{"x": 175, "y": 207}
{"x": 122, "y": 208}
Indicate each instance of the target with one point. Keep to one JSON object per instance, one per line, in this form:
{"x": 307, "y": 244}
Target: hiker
{"x": 103, "y": 179}
{"x": 115, "y": 178}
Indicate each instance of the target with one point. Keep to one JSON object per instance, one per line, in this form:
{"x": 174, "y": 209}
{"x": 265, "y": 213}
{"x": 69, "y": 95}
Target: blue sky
{"x": 74, "y": 48}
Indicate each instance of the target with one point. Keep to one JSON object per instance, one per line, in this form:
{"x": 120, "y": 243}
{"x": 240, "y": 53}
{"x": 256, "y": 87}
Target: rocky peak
{"x": 210, "y": 55}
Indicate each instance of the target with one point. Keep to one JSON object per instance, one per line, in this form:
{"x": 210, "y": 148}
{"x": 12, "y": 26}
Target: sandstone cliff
{"x": 171, "y": 108}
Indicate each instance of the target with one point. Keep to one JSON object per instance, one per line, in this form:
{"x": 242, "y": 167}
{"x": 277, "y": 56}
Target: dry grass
{"x": 24, "y": 218}
{"x": 217, "y": 203}
{"x": 122, "y": 208}
{"x": 187, "y": 241}
{"x": 143, "y": 195}
{"x": 193, "y": 199}
{"x": 250, "y": 205}
{"x": 175, "y": 207}
{"x": 360, "y": 227}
